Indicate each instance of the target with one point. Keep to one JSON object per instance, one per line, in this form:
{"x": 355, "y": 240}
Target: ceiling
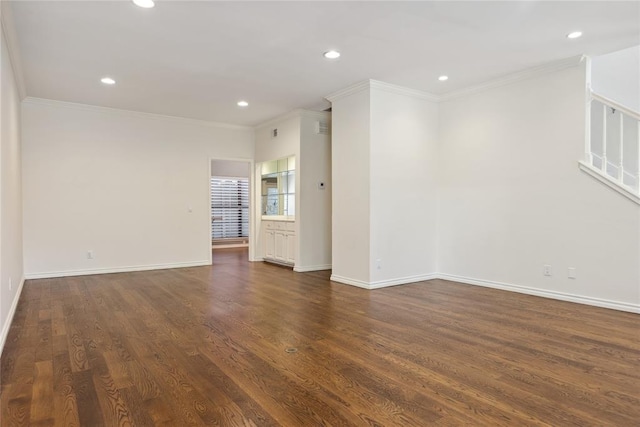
{"x": 197, "y": 59}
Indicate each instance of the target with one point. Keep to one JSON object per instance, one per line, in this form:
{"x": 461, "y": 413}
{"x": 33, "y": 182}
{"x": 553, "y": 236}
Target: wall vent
{"x": 322, "y": 128}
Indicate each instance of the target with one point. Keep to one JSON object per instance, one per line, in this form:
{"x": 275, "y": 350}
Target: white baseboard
{"x": 580, "y": 299}
{"x": 383, "y": 283}
{"x": 402, "y": 281}
{"x": 349, "y": 281}
{"x": 53, "y": 274}
{"x": 306, "y": 268}
{"x": 12, "y": 312}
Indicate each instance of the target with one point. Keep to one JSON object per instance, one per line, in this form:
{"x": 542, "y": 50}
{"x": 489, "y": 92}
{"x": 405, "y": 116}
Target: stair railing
{"x": 602, "y": 111}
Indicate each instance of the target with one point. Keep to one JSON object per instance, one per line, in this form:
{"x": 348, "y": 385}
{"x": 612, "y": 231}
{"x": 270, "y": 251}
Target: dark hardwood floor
{"x": 253, "y": 344}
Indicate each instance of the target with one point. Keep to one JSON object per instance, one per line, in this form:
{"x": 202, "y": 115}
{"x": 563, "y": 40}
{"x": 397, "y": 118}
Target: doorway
{"x": 230, "y": 203}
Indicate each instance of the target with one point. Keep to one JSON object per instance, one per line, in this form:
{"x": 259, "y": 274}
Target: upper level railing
{"x": 612, "y": 147}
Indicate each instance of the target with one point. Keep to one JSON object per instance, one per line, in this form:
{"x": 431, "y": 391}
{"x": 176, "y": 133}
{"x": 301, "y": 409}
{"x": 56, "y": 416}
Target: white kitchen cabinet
{"x": 290, "y": 254}
{"x": 269, "y": 244}
{"x": 281, "y": 245}
{"x": 280, "y": 241}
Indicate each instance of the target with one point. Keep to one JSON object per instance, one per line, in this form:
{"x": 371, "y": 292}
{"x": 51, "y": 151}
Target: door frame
{"x": 252, "y": 228}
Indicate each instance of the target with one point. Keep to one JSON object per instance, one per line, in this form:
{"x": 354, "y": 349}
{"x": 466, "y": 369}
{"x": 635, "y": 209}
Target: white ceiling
{"x": 197, "y": 59}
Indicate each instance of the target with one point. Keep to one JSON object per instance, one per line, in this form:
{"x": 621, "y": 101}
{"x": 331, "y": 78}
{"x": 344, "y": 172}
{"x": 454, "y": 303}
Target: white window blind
{"x": 229, "y": 207}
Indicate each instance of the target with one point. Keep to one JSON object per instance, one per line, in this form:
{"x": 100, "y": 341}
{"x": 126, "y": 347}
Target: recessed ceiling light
{"x": 243, "y": 104}
{"x": 147, "y": 4}
{"x": 443, "y": 78}
{"x": 108, "y": 81}
{"x": 574, "y": 35}
{"x": 332, "y": 54}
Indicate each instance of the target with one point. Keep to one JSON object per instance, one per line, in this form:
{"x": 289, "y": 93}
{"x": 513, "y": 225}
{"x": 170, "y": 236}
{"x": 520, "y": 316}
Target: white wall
{"x": 133, "y": 188}
{"x": 350, "y": 176}
{"x": 297, "y": 136}
{"x": 267, "y": 148}
{"x": 513, "y": 198}
{"x": 11, "y": 262}
{"x": 404, "y": 131}
{"x": 230, "y": 168}
{"x": 385, "y": 185}
{"x": 617, "y": 76}
{"x": 314, "y": 166}
{"x": 286, "y": 144}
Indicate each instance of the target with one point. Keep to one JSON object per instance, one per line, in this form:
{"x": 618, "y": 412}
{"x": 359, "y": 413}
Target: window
{"x": 229, "y": 208}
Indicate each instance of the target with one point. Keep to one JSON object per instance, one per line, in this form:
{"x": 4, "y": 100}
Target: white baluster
{"x": 588, "y": 157}
{"x": 638, "y": 148}
{"x": 604, "y": 139}
{"x": 621, "y": 167}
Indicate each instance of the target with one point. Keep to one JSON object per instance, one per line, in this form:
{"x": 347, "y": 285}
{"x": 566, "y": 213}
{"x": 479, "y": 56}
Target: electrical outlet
{"x": 10, "y": 283}
{"x": 89, "y": 254}
{"x": 572, "y": 273}
{"x": 546, "y": 270}
{"x": 378, "y": 264}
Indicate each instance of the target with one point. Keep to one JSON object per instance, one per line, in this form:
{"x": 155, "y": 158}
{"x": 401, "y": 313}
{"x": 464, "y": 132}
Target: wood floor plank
{"x": 77, "y": 349}
{"x": 209, "y": 346}
{"x": 143, "y": 379}
{"x": 89, "y": 410}
{"x": 160, "y": 412}
{"x": 114, "y": 408}
{"x": 65, "y": 401}
{"x": 16, "y": 404}
{"x": 139, "y": 415}
{"x": 42, "y": 392}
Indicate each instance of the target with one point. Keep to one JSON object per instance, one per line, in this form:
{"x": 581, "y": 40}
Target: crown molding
{"x": 349, "y": 90}
{"x": 490, "y": 84}
{"x": 401, "y": 90}
{"x": 314, "y": 114}
{"x": 387, "y": 87}
{"x": 297, "y": 113}
{"x": 515, "y": 77}
{"x": 10, "y": 37}
{"x": 131, "y": 113}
